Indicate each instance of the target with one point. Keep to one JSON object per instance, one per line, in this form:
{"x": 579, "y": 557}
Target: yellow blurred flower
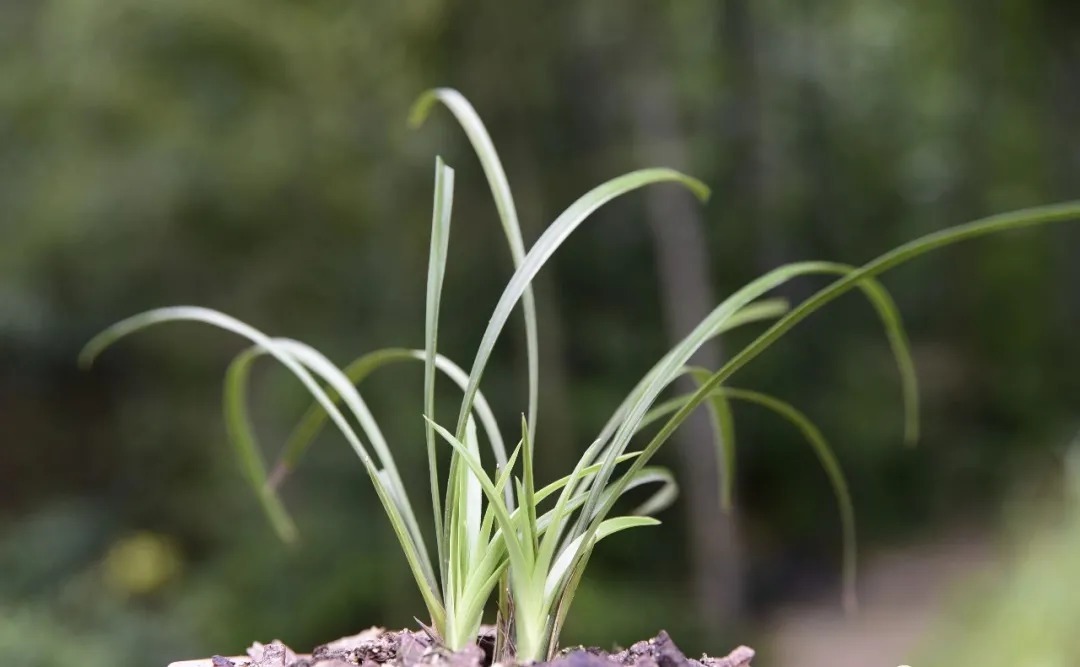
{"x": 140, "y": 564}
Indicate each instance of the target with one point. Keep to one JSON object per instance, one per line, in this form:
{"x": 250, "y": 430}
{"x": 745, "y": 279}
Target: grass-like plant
{"x": 498, "y": 535}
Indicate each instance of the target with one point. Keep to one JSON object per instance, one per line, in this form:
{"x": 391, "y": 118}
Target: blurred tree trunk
{"x": 966, "y": 198}
{"x": 687, "y": 297}
{"x": 742, "y": 123}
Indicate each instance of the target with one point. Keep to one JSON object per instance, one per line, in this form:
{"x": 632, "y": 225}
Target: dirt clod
{"x": 660, "y": 651}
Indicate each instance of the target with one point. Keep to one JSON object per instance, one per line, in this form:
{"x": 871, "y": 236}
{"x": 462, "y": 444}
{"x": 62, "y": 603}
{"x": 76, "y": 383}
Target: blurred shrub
{"x": 1026, "y": 614}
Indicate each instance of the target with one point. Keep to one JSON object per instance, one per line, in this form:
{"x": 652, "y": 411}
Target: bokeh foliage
{"x": 254, "y": 157}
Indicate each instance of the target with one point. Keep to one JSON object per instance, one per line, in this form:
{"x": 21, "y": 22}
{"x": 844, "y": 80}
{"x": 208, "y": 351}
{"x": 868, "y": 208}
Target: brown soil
{"x": 378, "y": 648}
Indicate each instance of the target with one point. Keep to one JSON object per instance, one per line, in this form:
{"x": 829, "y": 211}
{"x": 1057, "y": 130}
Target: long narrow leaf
{"x": 765, "y": 309}
{"x": 545, "y": 246}
{"x": 723, "y": 426}
{"x": 520, "y": 559}
{"x": 668, "y": 369}
{"x": 821, "y": 449}
{"x": 832, "y": 469}
{"x": 241, "y": 435}
{"x": 528, "y": 491}
{"x": 662, "y": 375}
{"x": 314, "y": 361}
{"x": 473, "y": 496}
{"x": 889, "y": 315}
{"x": 891, "y": 259}
{"x": 416, "y": 555}
{"x": 313, "y": 420}
{"x": 560, "y": 568}
{"x": 504, "y": 203}
{"x": 440, "y": 237}
{"x": 501, "y": 483}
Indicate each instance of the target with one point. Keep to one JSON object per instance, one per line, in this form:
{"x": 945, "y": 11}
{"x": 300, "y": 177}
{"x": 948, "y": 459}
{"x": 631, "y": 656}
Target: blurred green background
{"x": 253, "y": 156}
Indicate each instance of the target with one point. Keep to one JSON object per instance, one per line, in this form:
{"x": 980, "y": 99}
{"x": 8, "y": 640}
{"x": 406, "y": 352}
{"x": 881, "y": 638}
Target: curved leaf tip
{"x": 698, "y": 187}
{"x": 87, "y": 356}
{"x": 662, "y": 174}
{"x": 421, "y": 108}
{"x": 96, "y": 345}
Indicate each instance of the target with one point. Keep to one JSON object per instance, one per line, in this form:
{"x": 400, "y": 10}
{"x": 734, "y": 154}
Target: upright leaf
{"x": 440, "y": 238}
{"x": 504, "y": 203}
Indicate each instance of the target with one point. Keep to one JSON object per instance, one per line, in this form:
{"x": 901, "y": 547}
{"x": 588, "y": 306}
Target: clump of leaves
{"x": 499, "y": 535}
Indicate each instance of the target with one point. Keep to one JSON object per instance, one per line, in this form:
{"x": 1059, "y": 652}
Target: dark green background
{"x": 253, "y": 156}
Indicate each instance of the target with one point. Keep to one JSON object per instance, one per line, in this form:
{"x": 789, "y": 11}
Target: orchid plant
{"x": 500, "y": 537}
